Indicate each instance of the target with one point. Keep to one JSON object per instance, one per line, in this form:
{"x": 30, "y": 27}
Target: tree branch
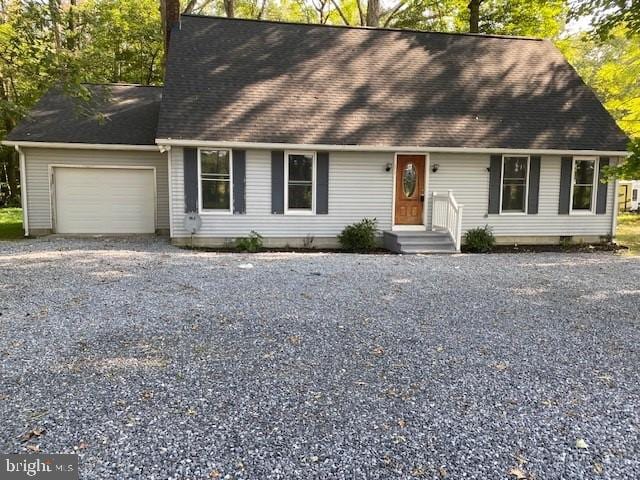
{"x": 391, "y": 13}
{"x": 340, "y": 12}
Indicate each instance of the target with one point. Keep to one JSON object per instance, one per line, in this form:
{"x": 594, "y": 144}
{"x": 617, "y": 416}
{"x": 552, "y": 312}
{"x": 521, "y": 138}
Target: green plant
{"x": 250, "y": 244}
{"x": 479, "y": 240}
{"x": 360, "y": 236}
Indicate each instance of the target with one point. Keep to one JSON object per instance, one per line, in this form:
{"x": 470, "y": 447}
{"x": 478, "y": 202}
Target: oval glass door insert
{"x": 409, "y": 180}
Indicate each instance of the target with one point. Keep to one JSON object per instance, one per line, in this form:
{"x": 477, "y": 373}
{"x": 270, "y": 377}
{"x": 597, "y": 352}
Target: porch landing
{"x": 419, "y": 242}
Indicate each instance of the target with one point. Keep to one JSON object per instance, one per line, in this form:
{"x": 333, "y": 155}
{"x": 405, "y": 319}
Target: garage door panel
{"x": 104, "y": 200}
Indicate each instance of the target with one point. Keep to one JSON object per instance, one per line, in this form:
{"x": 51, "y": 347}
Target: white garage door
{"x": 104, "y": 200}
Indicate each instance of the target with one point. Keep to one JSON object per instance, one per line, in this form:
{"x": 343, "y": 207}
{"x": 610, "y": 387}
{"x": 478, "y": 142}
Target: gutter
{"x": 80, "y": 146}
{"x": 381, "y": 148}
{"x": 23, "y": 190}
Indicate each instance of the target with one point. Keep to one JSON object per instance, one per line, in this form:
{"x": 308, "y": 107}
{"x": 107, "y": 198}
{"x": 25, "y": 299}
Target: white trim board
{"x": 81, "y": 146}
{"x": 382, "y": 148}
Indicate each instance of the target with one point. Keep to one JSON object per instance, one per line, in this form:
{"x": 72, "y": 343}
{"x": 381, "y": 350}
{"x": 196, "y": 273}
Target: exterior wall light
{"x": 435, "y": 167}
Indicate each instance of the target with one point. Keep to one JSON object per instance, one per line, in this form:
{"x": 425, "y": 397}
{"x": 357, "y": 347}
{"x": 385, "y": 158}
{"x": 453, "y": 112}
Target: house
{"x": 628, "y": 200}
{"x": 295, "y": 131}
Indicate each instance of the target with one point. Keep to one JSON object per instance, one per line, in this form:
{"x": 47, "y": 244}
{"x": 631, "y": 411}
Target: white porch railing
{"x": 447, "y": 216}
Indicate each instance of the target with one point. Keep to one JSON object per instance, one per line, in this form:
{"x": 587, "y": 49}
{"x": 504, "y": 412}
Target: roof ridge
{"x": 114, "y": 84}
{"x": 352, "y": 27}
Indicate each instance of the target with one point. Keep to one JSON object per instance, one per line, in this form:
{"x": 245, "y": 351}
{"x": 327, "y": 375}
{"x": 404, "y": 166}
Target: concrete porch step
{"x": 418, "y": 242}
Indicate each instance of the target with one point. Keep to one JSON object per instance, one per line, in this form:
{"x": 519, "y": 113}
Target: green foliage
{"x": 630, "y": 168}
{"x": 612, "y": 68}
{"x": 251, "y": 244}
{"x": 607, "y": 15}
{"x": 360, "y": 236}
{"x": 479, "y": 240}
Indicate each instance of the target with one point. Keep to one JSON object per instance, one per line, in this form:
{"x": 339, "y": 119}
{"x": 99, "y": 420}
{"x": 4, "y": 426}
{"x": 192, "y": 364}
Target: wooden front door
{"x": 409, "y": 190}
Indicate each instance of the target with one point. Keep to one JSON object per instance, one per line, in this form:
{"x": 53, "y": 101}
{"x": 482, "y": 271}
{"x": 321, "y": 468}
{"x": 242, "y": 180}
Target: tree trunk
{"x": 230, "y": 8}
{"x": 11, "y": 162}
{"x": 71, "y": 26}
{"x": 373, "y": 13}
{"x": 474, "y": 16}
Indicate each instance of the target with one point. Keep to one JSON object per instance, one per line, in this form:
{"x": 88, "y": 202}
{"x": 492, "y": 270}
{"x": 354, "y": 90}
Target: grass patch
{"x": 628, "y": 232}
{"x": 11, "y": 224}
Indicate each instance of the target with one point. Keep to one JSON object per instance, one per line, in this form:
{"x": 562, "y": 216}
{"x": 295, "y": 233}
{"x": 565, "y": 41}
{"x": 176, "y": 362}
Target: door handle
{"x": 422, "y": 198}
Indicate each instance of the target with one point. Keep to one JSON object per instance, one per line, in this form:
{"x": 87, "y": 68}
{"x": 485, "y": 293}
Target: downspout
{"x": 614, "y": 216}
{"x": 23, "y": 190}
{"x": 167, "y": 149}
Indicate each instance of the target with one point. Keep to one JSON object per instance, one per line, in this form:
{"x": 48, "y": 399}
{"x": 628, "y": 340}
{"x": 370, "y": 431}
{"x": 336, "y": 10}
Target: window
{"x": 300, "y": 182}
{"x": 634, "y": 194}
{"x": 515, "y": 177}
{"x": 583, "y": 184}
{"x": 215, "y": 180}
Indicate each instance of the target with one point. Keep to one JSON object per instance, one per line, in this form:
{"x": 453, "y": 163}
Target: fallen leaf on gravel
{"x": 36, "y": 432}
{"x": 314, "y": 459}
{"x": 501, "y": 366}
{"x": 418, "y": 471}
{"x": 215, "y": 474}
{"x": 581, "y": 444}
{"x": 83, "y": 445}
{"x": 402, "y": 423}
{"x": 443, "y": 472}
{"x": 518, "y": 473}
{"x": 33, "y": 448}
{"x": 295, "y": 340}
{"x": 598, "y": 468}
{"x": 147, "y": 395}
{"x": 439, "y": 349}
{"x": 378, "y": 351}
{"x": 387, "y": 460}
{"x": 191, "y": 411}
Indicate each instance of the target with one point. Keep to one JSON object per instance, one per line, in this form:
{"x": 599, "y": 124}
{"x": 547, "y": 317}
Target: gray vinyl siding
{"x": 360, "y": 187}
{"x": 37, "y": 161}
{"x": 467, "y": 176}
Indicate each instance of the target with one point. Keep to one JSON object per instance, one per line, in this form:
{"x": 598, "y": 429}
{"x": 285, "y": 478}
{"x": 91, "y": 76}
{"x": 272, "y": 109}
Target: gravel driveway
{"x": 153, "y": 362}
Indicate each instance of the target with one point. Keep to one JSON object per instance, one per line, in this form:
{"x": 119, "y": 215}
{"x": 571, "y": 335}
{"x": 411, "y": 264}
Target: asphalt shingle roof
{"x": 114, "y": 114}
{"x": 258, "y": 81}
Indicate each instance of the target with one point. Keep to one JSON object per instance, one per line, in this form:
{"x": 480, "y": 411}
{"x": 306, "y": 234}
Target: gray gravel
{"x": 153, "y": 362}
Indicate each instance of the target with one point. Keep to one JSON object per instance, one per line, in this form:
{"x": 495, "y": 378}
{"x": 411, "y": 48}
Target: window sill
{"x": 509, "y": 214}
{"x": 215, "y": 212}
{"x": 301, "y": 213}
{"x": 580, "y": 212}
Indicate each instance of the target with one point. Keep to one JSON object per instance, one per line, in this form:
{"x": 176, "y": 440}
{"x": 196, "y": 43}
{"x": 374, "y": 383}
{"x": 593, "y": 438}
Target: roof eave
{"x": 383, "y": 148}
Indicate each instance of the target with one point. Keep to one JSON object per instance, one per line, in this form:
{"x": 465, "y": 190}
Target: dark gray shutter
{"x": 322, "y": 183}
{"x": 601, "y": 199}
{"x": 239, "y": 181}
{"x": 190, "y": 180}
{"x": 566, "y": 164}
{"x": 277, "y": 182}
{"x": 534, "y": 184}
{"x": 495, "y": 176}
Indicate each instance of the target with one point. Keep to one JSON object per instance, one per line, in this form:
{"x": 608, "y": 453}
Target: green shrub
{"x": 250, "y": 244}
{"x": 360, "y": 236}
{"x": 479, "y": 240}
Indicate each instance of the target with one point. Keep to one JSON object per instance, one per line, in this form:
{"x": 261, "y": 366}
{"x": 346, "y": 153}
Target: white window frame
{"x": 314, "y": 178}
{"x": 594, "y": 189}
{"x": 214, "y": 211}
{"x": 526, "y": 186}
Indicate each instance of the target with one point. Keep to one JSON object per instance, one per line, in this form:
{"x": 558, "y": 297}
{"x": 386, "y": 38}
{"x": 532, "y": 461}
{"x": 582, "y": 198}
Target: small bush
{"x": 479, "y": 240}
{"x": 360, "y": 236}
{"x": 250, "y": 244}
